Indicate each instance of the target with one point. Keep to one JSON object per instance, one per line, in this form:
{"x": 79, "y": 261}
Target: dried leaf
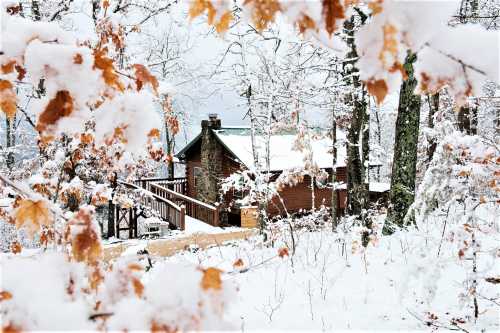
{"x": 78, "y": 59}
{"x": 238, "y": 263}
{"x": 32, "y": 215}
{"x": 105, "y": 64}
{"x": 15, "y": 247}
{"x": 263, "y": 12}
{"x": 283, "y": 252}
{"x": 224, "y": 22}
{"x": 332, "y": 11}
{"x": 21, "y": 72}
{"x": 375, "y": 6}
{"x": 58, "y": 107}
{"x": 378, "y": 89}
{"x": 143, "y": 76}
{"x": 7, "y": 98}
{"x": 85, "y": 240}
{"x": 8, "y": 67}
{"x": 5, "y": 295}
{"x": 388, "y": 54}
{"x": 211, "y": 279}
{"x": 138, "y": 286}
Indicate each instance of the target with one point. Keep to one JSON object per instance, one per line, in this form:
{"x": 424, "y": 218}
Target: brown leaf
{"x": 378, "y": 89}
{"x": 224, "y": 22}
{"x": 85, "y": 243}
{"x": 8, "y": 67}
{"x": 263, "y": 12}
{"x": 21, "y": 72}
{"x": 211, "y": 279}
{"x": 332, "y": 11}
{"x": 15, "y": 247}
{"x": 283, "y": 252}
{"x": 78, "y": 59}
{"x": 138, "y": 286}
{"x": 238, "y": 263}
{"x": 7, "y": 98}
{"x": 58, "y": 107}
{"x": 32, "y": 215}
{"x": 5, "y": 295}
{"x": 105, "y": 64}
{"x": 143, "y": 76}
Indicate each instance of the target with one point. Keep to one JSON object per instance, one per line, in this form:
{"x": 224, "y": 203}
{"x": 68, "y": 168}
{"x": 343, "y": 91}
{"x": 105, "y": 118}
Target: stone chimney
{"x": 211, "y": 160}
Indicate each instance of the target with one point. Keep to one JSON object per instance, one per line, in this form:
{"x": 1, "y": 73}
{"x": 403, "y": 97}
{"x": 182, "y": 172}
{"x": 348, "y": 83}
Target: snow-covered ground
{"x": 332, "y": 283}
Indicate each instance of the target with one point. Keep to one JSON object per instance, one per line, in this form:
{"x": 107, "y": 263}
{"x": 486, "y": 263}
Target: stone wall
{"x": 211, "y": 162}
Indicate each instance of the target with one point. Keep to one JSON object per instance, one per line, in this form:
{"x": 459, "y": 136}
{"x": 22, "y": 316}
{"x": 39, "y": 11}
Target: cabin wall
{"x": 299, "y": 197}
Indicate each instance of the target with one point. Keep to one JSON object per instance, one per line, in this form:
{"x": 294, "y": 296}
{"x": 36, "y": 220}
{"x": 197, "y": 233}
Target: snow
{"x": 332, "y": 283}
{"x": 379, "y": 187}
{"x": 283, "y": 156}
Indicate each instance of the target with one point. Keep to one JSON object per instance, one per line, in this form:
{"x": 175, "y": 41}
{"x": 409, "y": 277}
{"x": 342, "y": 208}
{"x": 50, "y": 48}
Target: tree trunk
{"x": 433, "y": 108}
{"x": 467, "y": 120}
{"x": 10, "y": 141}
{"x": 334, "y": 172}
{"x": 356, "y": 192}
{"x": 402, "y": 193}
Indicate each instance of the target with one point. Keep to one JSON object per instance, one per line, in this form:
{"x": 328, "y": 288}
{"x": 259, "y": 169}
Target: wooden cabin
{"x": 217, "y": 152}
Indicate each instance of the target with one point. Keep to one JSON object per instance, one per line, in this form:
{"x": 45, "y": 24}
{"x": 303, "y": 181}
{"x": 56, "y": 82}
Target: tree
{"x": 402, "y": 193}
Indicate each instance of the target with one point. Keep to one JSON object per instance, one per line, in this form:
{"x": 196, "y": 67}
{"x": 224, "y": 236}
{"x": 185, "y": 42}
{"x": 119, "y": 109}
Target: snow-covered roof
{"x": 283, "y": 155}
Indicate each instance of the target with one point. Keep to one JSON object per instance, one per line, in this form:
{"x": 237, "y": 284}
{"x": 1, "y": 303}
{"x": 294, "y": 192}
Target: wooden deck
{"x": 167, "y": 199}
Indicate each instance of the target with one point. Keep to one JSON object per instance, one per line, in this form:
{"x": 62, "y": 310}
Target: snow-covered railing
{"x": 194, "y": 208}
{"x": 167, "y": 210}
{"x": 177, "y": 184}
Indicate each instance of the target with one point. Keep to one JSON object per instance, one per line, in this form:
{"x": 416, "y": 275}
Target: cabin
{"x": 217, "y": 152}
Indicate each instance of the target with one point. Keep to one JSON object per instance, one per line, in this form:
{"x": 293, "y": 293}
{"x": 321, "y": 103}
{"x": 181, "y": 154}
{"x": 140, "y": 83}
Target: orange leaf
{"x": 7, "y": 98}
{"x": 224, "y": 22}
{"x": 78, "y": 59}
{"x": 377, "y": 88}
{"x": 8, "y": 67}
{"x": 32, "y": 215}
{"x": 105, "y": 64}
{"x": 85, "y": 244}
{"x": 211, "y": 279}
{"x": 138, "y": 286}
{"x": 15, "y": 247}
{"x": 238, "y": 263}
{"x": 21, "y": 72}
{"x": 58, "y": 107}
{"x": 332, "y": 11}
{"x": 154, "y": 133}
{"x": 5, "y": 295}
{"x": 143, "y": 76}
{"x": 283, "y": 252}
{"x": 263, "y": 12}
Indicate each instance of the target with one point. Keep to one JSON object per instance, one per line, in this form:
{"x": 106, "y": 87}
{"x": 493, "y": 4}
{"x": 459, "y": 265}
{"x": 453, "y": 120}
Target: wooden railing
{"x": 166, "y": 209}
{"x": 194, "y": 208}
{"x": 177, "y": 184}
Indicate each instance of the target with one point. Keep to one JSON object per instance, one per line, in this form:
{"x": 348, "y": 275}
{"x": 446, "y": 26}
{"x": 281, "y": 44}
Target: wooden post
{"x": 216, "y": 215}
{"x": 182, "y": 218}
{"x": 249, "y": 217}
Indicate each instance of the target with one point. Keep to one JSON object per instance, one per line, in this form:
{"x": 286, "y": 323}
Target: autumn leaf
{"x": 7, "y": 98}
{"x": 5, "y": 295}
{"x": 224, "y": 22}
{"x": 32, "y": 215}
{"x": 105, "y": 64}
{"x": 211, "y": 279}
{"x": 332, "y": 11}
{"x": 21, "y": 72}
{"x": 143, "y": 76}
{"x": 375, "y": 6}
{"x": 8, "y": 67}
{"x": 378, "y": 89}
{"x": 388, "y": 54}
{"x": 78, "y": 59}
{"x": 154, "y": 133}
{"x": 58, "y": 107}
{"x": 305, "y": 23}
{"x": 15, "y": 247}
{"x": 84, "y": 238}
{"x": 238, "y": 263}
{"x": 138, "y": 286}
{"x": 461, "y": 253}
{"x": 283, "y": 252}
{"x": 263, "y": 12}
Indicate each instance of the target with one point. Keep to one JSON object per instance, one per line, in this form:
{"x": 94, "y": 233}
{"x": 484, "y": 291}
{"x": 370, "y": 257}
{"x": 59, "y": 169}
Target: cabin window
{"x": 197, "y": 174}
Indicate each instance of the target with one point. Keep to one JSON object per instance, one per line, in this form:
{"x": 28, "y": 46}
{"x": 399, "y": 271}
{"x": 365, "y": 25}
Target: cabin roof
{"x": 284, "y": 153}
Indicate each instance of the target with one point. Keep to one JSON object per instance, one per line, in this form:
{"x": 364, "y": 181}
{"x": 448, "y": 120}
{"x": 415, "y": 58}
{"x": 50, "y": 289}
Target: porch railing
{"x": 194, "y": 208}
